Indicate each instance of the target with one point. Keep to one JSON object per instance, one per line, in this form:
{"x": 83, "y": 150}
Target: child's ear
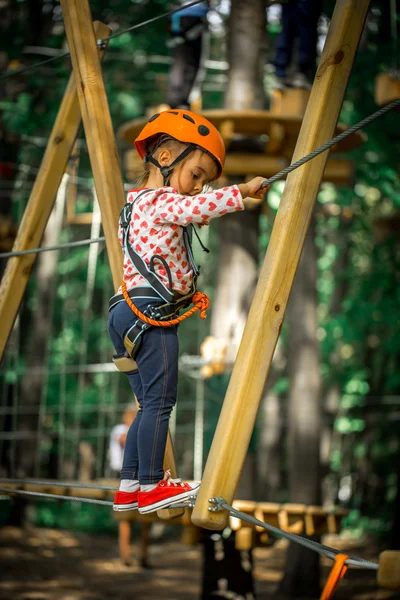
{"x": 164, "y": 158}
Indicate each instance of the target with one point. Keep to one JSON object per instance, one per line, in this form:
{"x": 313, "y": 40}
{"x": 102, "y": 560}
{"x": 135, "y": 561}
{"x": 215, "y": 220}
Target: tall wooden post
{"x": 101, "y": 144}
{"x": 239, "y": 411}
{"x": 40, "y": 203}
{"x": 96, "y": 119}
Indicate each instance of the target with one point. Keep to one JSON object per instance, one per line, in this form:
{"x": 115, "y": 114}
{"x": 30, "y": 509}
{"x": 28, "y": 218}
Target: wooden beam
{"x": 97, "y": 123}
{"x": 337, "y": 171}
{"x": 239, "y": 411}
{"x": 40, "y": 203}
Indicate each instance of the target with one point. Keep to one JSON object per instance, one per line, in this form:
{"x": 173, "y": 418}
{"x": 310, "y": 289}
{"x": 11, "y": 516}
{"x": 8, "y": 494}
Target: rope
{"x": 332, "y": 142}
{"x": 48, "y": 248}
{"x": 337, "y": 572}
{"x": 292, "y": 537}
{"x": 100, "y": 42}
{"x": 201, "y": 302}
{"x": 10, "y": 492}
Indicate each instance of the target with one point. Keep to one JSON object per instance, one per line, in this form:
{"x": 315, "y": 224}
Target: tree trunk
{"x": 301, "y": 578}
{"x": 238, "y": 232}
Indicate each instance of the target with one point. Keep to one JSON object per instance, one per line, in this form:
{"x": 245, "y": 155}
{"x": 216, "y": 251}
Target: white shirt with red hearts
{"x": 156, "y": 228}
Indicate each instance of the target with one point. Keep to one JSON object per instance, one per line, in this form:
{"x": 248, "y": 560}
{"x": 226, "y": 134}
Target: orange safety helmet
{"x": 186, "y": 127}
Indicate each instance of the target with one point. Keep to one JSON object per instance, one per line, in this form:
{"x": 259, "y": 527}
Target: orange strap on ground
{"x": 201, "y": 302}
{"x": 337, "y": 572}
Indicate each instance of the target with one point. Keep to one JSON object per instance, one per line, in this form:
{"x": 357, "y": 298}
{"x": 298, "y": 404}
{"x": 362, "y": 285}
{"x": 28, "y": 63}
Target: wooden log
{"x": 72, "y": 187}
{"x": 245, "y": 538}
{"x": 291, "y": 102}
{"x": 97, "y": 123}
{"x": 294, "y": 517}
{"x": 316, "y": 520}
{"x": 389, "y": 569}
{"x": 387, "y": 88}
{"x": 40, "y": 203}
{"x": 238, "y": 415}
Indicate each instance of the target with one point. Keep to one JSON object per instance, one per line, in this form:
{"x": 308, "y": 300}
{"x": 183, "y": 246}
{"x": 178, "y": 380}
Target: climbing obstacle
{"x": 293, "y": 518}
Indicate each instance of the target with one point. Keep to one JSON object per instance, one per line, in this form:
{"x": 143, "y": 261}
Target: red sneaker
{"x": 166, "y": 493}
{"x": 125, "y": 500}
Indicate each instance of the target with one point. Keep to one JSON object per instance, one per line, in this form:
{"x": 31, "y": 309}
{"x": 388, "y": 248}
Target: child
{"x": 182, "y": 152}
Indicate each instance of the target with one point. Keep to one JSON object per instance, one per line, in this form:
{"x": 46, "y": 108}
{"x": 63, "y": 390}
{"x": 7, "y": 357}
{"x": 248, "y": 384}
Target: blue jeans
{"x": 155, "y": 387}
{"x": 299, "y": 20}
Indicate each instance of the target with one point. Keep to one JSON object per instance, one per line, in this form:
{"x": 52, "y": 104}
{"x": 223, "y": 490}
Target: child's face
{"x": 190, "y": 177}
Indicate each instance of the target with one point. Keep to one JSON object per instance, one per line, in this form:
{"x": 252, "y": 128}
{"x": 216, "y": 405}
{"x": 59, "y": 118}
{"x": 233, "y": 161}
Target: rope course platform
{"x": 292, "y": 518}
{"x": 252, "y": 523}
{"x": 279, "y": 133}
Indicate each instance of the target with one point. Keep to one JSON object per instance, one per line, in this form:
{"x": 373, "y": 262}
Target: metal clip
{"x": 215, "y": 502}
{"x": 101, "y": 44}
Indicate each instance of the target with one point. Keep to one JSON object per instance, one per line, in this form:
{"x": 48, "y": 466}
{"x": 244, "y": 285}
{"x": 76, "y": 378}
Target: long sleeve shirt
{"x": 156, "y": 228}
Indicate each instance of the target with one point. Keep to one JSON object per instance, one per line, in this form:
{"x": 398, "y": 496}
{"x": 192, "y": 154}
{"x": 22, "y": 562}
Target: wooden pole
{"x": 40, "y": 203}
{"x": 238, "y": 415}
{"x": 97, "y": 123}
{"x": 101, "y": 144}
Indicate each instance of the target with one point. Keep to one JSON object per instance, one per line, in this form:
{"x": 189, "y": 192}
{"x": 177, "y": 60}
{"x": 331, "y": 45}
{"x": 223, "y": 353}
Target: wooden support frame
{"x": 102, "y": 147}
{"x": 238, "y": 415}
{"x": 40, "y": 204}
{"x": 97, "y": 123}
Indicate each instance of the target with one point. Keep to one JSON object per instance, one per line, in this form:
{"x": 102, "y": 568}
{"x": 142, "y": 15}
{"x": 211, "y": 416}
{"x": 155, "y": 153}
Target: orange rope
{"x": 337, "y": 572}
{"x": 201, "y": 302}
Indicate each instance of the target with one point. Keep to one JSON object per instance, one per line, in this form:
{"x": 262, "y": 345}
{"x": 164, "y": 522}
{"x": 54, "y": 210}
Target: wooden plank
{"x": 239, "y": 411}
{"x": 40, "y": 203}
{"x": 254, "y": 123}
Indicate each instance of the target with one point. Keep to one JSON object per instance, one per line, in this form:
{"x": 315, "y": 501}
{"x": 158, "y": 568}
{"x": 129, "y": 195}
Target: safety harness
{"x": 165, "y": 314}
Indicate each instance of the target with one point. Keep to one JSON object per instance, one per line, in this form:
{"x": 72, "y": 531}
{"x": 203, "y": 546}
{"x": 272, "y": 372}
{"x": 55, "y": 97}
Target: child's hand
{"x": 252, "y": 192}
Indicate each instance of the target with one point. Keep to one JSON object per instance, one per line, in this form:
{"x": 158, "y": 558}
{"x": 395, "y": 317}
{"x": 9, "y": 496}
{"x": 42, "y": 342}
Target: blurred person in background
{"x": 116, "y": 454}
{"x": 188, "y": 28}
{"x": 299, "y": 22}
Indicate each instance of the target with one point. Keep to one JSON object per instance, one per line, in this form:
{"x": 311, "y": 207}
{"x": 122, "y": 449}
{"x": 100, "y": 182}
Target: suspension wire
{"x": 354, "y": 561}
{"x": 100, "y": 42}
{"x": 63, "y": 484}
{"x": 34, "y": 66}
{"x": 167, "y": 14}
{"x": 217, "y": 503}
{"x": 10, "y": 492}
{"x": 56, "y": 247}
{"x": 332, "y": 142}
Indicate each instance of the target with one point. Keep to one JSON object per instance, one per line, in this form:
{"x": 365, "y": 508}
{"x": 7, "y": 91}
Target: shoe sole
{"x": 168, "y": 502}
{"x": 122, "y": 507}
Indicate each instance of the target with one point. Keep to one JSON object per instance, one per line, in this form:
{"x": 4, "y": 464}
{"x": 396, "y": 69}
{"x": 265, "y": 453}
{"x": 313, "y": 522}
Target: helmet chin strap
{"x": 167, "y": 170}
